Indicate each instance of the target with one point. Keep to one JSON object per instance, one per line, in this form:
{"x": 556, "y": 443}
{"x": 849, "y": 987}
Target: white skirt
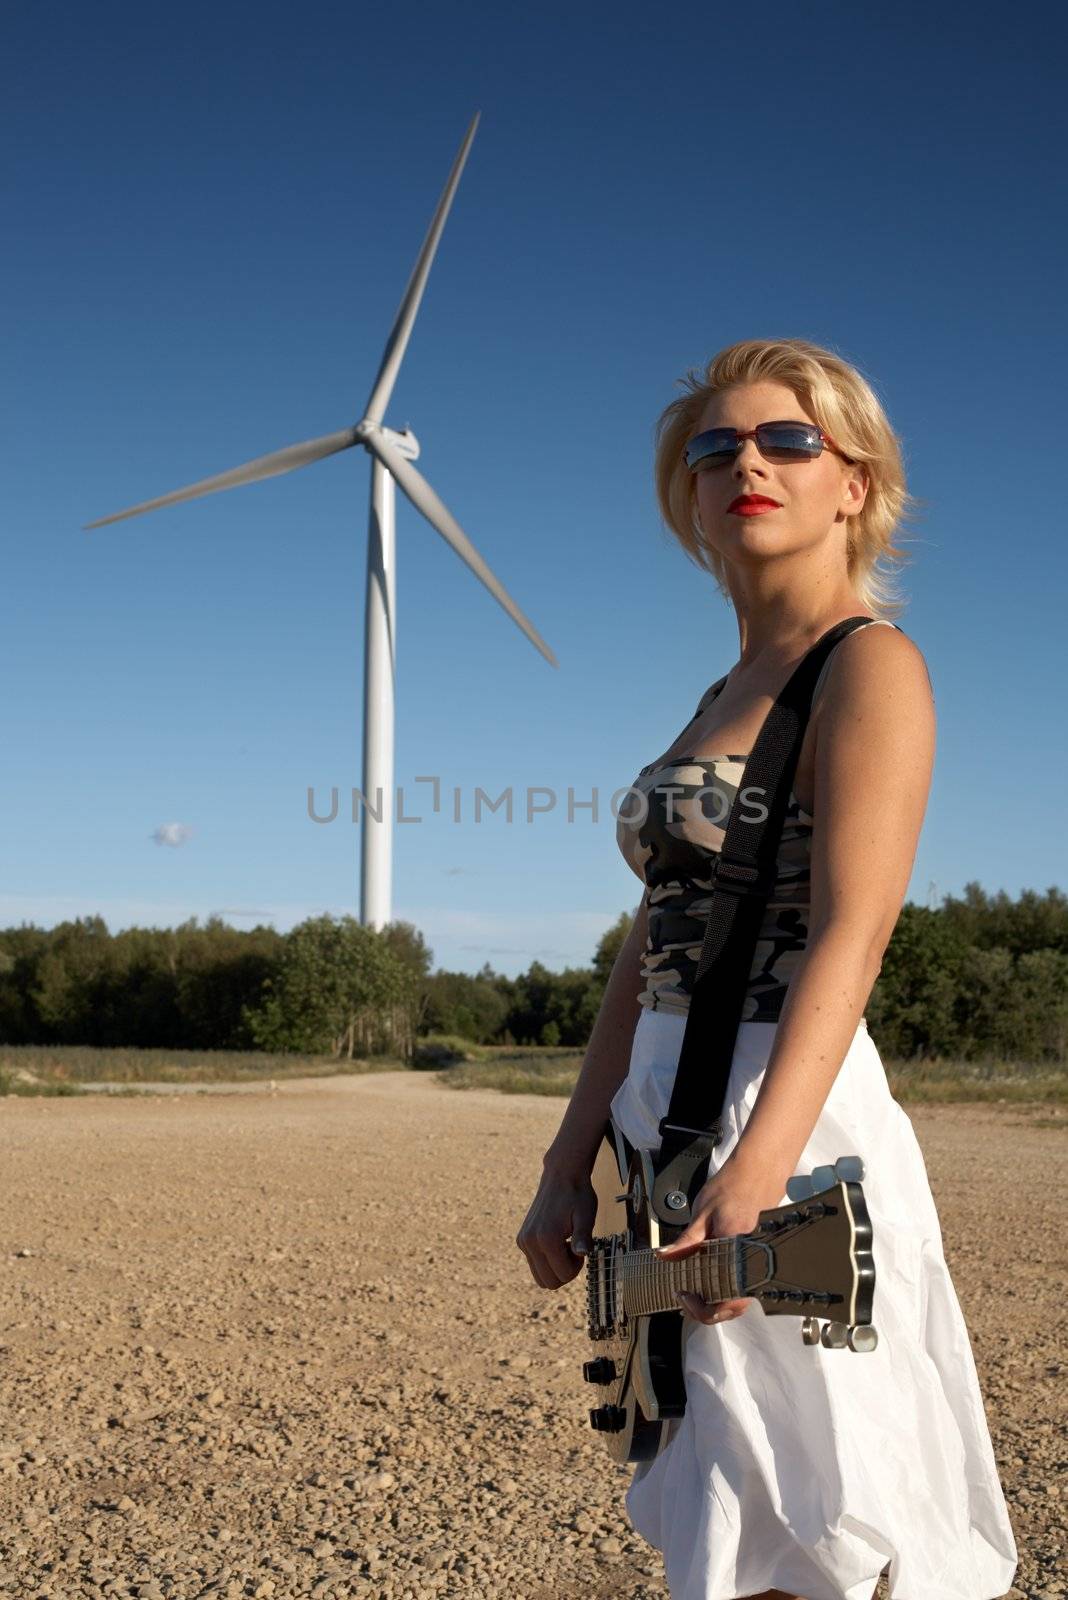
{"x": 813, "y": 1470}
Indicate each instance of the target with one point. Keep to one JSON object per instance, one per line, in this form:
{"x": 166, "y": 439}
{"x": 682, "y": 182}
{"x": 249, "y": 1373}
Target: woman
{"x": 788, "y": 1478}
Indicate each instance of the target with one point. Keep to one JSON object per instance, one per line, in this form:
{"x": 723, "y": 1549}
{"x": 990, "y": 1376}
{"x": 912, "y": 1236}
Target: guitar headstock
{"x": 813, "y": 1256}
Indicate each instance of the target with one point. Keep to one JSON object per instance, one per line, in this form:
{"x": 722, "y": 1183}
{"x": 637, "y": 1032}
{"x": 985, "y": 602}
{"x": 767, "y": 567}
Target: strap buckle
{"x": 742, "y": 877}
{"x": 664, "y": 1127}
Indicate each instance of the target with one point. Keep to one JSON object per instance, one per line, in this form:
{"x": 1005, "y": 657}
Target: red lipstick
{"x": 751, "y": 505}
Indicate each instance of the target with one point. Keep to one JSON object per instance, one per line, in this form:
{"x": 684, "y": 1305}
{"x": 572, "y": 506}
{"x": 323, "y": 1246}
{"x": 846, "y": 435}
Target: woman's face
{"x": 815, "y": 498}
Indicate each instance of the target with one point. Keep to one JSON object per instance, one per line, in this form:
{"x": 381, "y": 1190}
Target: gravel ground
{"x": 283, "y": 1344}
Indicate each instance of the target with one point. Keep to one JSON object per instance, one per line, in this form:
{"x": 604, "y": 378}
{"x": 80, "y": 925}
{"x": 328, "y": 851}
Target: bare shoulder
{"x": 878, "y": 692}
{"x": 874, "y": 761}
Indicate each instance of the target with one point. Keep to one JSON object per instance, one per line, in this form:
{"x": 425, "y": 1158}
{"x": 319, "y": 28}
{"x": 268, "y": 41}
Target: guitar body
{"x": 801, "y": 1259}
{"x": 647, "y": 1353}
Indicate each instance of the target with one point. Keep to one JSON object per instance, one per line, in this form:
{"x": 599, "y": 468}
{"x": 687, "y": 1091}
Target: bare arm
{"x": 574, "y": 1149}
{"x": 875, "y": 746}
{"x": 875, "y": 738}
{"x": 565, "y": 1206}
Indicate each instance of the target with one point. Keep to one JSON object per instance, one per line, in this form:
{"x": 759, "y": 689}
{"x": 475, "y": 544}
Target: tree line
{"x": 981, "y": 976}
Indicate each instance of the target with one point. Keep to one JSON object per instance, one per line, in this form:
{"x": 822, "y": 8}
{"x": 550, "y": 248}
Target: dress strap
{"x": 875, "y": 621}
{"x": 714, "y": 689}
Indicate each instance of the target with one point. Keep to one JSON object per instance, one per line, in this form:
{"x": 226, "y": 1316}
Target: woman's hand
{"x": 729, "y": 1203}
{"x": 564, "y": 1208}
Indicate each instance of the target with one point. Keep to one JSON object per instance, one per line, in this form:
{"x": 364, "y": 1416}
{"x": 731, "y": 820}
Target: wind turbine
{"x": 391, "y": 455}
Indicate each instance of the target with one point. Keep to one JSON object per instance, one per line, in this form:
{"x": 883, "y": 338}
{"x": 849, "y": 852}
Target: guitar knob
{"x": 835, "y": 1335}
{"x": 800, "y": 1187}
{"x": 823, "y": 1178}
{"x": 850, "y": 1169}
{"x": 608, "y": 1419}
{"x": 862, "y": 1337}
{"x": 603, "y": 1370}
{"x": 810, "y": 1330}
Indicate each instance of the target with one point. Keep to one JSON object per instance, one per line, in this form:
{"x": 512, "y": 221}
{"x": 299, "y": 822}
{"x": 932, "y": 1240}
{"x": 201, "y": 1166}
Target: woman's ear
{"x": 855, "y": 490}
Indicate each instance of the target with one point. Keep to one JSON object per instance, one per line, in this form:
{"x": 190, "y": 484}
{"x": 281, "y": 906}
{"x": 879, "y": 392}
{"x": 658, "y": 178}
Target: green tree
{"x": 336, "y": 991}
{"x": 73, "y": 991}
{"x": 1031, "y": 922}
{"x": 914, "y": 1007}
{"x": 1016, "y": 1008}
{"x": 569, "y": 999}
{"x": 609, "y": 945}
{"x": 475, "y": 1008}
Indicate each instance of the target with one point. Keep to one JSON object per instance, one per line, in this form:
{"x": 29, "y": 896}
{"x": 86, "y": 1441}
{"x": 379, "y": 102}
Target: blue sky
{"x": 211, "y": 215}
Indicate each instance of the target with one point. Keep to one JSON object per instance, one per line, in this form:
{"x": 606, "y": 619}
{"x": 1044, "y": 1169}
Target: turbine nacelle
{"x": 405, "y": 443}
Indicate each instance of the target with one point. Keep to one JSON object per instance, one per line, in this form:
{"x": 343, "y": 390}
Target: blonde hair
{"x": 844, "y": 404}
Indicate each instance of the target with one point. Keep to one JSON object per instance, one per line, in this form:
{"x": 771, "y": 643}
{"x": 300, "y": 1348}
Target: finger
{"x": 556, "y": 1264}
{"x": 539, "y": 1268}
{"x": 690, "y": 1239}
{"x": 543, "y": 1276}
{"x": 583, "y": 1220}
{"x": 562, "y": 1261}
{"x": 729, "y": 1309}
{"x": 700, "y": 1310}
{"x": 710, "y": 1312}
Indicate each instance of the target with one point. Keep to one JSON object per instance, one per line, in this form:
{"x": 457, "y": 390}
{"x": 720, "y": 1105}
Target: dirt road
{"x": 283, "y": 1344}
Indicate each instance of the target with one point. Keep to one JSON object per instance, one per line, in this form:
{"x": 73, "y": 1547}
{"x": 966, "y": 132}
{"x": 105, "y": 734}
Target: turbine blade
{"x": 287, "y": 460}
{"x": 425, "y": 500}
{"x": 397, "y": 342}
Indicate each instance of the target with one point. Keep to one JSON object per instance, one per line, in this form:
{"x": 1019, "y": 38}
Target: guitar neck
{"x": 651, "y": 1282}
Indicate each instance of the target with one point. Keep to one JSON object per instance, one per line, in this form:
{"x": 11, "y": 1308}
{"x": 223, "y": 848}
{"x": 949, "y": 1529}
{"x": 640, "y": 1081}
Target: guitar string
{"x": 633, "y": 1269}
{"x": 639, "y": 1260}
{"x": 647, "y": 1255}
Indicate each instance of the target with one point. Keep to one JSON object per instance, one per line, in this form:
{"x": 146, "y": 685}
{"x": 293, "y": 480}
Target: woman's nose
{"x": 748, "y": 457}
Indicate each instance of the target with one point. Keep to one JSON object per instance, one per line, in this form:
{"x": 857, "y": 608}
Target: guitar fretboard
{"x": 650, "y": 1282}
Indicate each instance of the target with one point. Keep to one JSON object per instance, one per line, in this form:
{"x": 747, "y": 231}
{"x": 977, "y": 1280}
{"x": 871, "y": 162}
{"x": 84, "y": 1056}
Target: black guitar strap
{"x": 744, "y": 875}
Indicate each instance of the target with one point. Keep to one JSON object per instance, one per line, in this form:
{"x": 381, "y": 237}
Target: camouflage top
{"x": 670, "y": 828}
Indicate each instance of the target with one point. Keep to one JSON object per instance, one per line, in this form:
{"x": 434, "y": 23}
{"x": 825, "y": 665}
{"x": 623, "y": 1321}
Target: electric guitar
{"x": 806, "y": 1259}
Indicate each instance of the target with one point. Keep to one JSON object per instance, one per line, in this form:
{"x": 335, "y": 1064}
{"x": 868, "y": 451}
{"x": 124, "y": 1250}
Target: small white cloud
{"x": 172, "y": 833}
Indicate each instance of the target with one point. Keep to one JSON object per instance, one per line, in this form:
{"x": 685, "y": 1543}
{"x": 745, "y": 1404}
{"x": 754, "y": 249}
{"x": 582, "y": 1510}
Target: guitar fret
{"x": 648, "y": 1283}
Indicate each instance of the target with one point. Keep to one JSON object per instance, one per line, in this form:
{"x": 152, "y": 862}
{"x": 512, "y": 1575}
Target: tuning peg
{"x": 849, "y": 1169}
{"x": 861, "y": 1337}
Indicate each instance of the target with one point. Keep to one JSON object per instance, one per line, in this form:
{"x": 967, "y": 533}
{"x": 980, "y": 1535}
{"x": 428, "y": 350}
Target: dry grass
{"x": 553, "y": 1072}
{"x": 63, "y": 1069}
{"x": 459, "y": 1064}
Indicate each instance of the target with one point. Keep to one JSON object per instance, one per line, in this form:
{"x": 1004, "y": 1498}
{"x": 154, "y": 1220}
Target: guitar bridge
{"x": 601, "y": 1286}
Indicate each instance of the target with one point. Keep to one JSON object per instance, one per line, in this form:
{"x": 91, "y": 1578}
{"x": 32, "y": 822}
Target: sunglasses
{"x": 776, "y": 441}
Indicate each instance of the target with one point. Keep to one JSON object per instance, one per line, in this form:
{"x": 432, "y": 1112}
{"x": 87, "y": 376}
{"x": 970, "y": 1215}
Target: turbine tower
{"x": 392, "y": 455}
